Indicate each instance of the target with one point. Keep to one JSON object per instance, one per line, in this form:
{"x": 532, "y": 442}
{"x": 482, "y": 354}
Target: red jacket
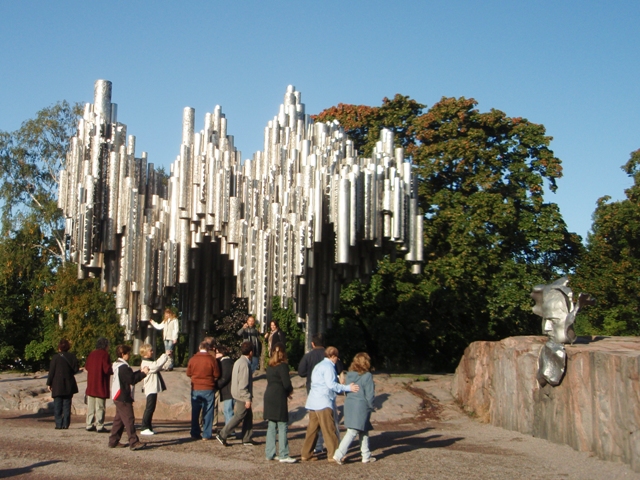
{"x": 98, "y": 367}
{"x": 204, "y": 371}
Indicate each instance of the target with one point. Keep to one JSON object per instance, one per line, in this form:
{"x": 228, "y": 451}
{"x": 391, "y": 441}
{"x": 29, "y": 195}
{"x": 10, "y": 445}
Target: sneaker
{"x": 288, "y": 460}
{"x": 276, "y": 458}
{"x": 248, "y": 444}
{"x": 223, "y": 441}
{"x": 92, "y": 428}
{"x": 339, "y": 462}
{"x": 205, "y": 439}
{"x": 147, "y": 431}
{"x": 369, "y": 460}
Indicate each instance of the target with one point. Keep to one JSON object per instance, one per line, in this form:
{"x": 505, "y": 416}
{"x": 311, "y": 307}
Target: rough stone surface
{"x": 596, "y": 408}
{"x": 397, "y": 398}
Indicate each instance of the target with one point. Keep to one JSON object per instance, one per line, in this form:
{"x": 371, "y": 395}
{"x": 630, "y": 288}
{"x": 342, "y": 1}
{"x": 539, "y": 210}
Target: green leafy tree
{"x": 489, "y": 235}
{"x": 88, "y": 314}
{"x": 30, "y": 161}
{"x": 24, "y": 277}
{"x": 288, "y": 323}
{"x": 610, "y": 269}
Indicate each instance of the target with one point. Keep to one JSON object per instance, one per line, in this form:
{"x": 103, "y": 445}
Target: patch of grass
{"x": 414, "y": 377}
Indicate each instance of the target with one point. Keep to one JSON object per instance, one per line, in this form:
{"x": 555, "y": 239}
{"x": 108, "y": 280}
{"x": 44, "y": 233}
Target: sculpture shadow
{"x": 14, "y": 472}
{"x": 587, "y": 340}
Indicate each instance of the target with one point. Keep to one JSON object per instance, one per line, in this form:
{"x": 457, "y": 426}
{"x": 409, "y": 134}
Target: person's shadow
{"x": 405, "y": 441}
{"x": 14, "y": 472}
{"x": 380, "y": 399}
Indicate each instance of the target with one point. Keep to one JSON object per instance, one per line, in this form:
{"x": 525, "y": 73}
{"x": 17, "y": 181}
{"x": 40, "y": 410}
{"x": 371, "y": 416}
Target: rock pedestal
{"x": 596, "y": 407}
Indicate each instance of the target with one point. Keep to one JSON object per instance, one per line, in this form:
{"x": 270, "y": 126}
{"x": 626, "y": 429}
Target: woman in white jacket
{"x": 153, "y": 384}
{"x": 170, "y": 329}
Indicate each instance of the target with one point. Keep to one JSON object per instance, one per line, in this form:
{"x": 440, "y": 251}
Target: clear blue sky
{"x": 572, "y": 66}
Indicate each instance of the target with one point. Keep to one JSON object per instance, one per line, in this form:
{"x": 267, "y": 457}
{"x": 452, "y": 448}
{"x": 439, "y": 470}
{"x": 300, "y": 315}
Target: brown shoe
{"x": 119, "y": 445}
{"x": 310, "y": 459}
{"x": 137, "y": 446}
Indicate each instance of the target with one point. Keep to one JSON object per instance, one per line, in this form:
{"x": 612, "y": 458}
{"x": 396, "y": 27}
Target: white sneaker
{"x": 147, "y": 432}
{"x": 288, "y": 460}
{"x": 369, "y": 460}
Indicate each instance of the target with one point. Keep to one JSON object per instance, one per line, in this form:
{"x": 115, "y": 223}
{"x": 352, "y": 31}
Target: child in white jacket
{"x": 153, "y": 384}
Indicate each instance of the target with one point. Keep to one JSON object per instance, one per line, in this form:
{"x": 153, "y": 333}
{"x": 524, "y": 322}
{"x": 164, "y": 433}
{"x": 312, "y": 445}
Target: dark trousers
{"x": 240, "y": 414}
{"x": 147, "y": 416}
{"x": 62, "y": 410}
{"x": 124, "y": 419}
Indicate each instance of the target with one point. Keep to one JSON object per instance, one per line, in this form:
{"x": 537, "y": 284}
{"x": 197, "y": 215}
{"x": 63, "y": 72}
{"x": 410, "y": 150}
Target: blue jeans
{"x": 270, "y": 447}
{"x": 255, "y": 364}
{"x": 201, "y": 400}
{"x": 62, "y": 410}
{"x": 346, "y": 441}
{"x": 168, "y": 345}
{"x": 228, "y": 410}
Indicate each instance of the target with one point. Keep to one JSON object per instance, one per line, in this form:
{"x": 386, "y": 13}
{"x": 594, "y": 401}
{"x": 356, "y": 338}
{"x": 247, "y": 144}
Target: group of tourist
{"x": 217, "y": 381}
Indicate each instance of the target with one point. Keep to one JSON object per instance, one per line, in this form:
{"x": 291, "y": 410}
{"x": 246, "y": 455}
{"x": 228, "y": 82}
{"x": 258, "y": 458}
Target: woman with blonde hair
{"x": 170, "y": 329}
{"x": 357, "y": 409}
{"x": 152, "y": 385}
{"x": 276, "y": 410}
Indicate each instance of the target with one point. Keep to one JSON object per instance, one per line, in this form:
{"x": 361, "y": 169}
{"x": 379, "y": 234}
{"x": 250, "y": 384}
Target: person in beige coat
{"x": 153, "y": 384}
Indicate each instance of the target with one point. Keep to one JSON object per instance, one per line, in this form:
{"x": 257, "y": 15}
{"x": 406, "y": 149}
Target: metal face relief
{"x": 297, "y": 220}
{"x": 554, "y": 303}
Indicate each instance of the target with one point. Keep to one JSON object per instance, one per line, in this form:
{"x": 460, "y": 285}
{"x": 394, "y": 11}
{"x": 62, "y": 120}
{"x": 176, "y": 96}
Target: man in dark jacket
{"x": 223, "y": 385}
{"x": 124, "y": 378}
{"x": 312, "y": 358}
{"x": 98, "y": 367}
{"x": 62, "y": 383}
{"x": 249, "y": 333}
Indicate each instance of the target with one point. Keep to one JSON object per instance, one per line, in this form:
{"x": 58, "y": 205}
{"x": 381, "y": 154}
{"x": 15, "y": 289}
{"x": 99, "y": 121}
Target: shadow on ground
{"x": 14, "y": 472}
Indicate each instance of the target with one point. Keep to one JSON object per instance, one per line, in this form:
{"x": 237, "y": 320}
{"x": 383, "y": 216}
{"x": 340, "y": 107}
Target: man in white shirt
{"x": 322, "y": 394}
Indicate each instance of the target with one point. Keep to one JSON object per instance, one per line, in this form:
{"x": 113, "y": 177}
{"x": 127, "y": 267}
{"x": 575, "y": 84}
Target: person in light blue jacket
{"x": 357, "y": 408}
{"x": 324, "y": 387}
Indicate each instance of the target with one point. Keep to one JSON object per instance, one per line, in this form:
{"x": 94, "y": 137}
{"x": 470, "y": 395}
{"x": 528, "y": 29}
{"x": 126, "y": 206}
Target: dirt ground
{"x": 451, "y": 447}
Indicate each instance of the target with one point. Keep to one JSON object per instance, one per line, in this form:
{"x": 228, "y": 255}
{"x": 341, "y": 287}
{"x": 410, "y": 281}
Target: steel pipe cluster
{"x": 303, "y": 216}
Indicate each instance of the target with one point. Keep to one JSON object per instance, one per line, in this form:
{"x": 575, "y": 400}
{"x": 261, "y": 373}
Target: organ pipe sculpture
{"x": 303, "y": 216}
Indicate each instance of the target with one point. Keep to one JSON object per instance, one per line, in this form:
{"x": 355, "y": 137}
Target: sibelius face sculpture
{"x": 297, "y": 220}
{"x": 554, "y": 303}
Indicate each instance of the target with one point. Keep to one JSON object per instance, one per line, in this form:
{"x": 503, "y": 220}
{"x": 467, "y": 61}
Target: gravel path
{"x": 441, "y": 443}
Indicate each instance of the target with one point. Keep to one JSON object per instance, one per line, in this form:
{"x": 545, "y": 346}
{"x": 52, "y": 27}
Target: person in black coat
{"x": 62, "y": 383}
{"x": 223, "y": 384}
{"x": 276, "y": 410}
